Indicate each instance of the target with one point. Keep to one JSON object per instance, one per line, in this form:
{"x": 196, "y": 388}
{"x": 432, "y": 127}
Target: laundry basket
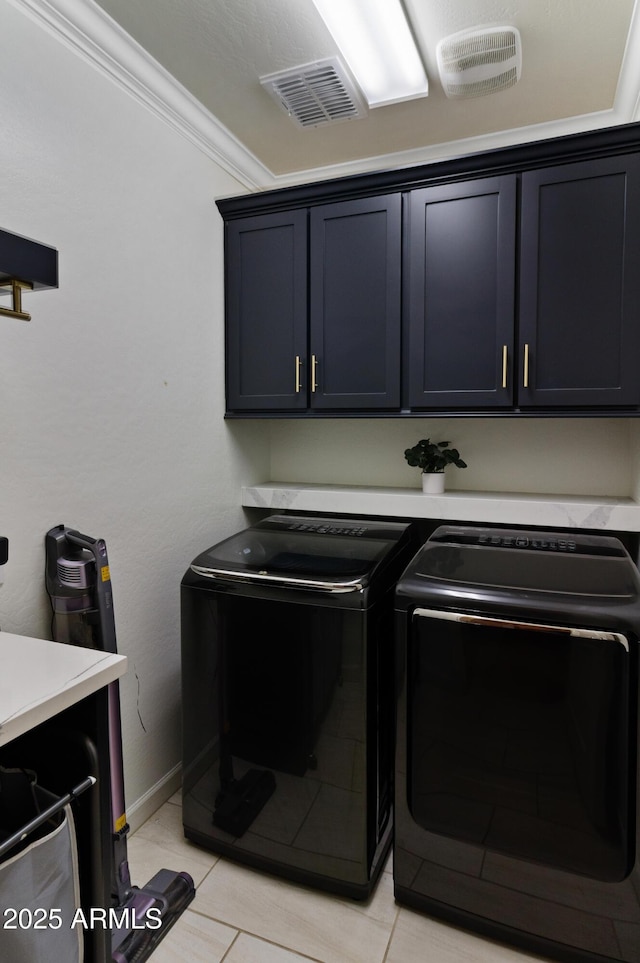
{"x": 40, "y": 919}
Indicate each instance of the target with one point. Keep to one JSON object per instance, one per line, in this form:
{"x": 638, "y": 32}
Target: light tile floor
{"x": 242, "y": 916}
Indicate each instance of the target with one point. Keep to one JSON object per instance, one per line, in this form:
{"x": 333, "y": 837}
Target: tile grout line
{"x": 258, "y": 936}
{"x": 230, "y": 946}
{"x": 391, "y": 934}
{"x": 261, "y": 939}
{"x": 264, "y": 939}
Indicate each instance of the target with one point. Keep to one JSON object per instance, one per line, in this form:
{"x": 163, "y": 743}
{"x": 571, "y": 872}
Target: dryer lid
{"x": 530, "y": 561}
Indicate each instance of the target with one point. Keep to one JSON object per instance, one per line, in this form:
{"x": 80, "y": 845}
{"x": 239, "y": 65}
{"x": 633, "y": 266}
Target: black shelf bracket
{"x": 25, "y": 265}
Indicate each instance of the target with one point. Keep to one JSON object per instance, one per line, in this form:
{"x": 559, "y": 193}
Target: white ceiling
{"x": 580, "y": 71}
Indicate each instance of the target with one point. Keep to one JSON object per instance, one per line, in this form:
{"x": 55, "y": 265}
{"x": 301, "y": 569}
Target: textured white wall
{"x": 582, "y": 456}
{"x": 112, "y": 397}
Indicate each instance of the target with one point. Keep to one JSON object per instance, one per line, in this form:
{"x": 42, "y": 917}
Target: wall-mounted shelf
{"x": 25, "y": 265}
{"x": 506, "y": 508}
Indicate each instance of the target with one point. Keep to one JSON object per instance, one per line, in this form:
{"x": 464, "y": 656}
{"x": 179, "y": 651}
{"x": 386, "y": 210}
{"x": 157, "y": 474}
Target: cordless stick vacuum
{"x": 79, "y": 585}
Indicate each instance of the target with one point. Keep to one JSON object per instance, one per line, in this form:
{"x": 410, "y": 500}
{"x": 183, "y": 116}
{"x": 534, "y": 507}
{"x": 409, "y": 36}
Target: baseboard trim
{"x": 150, "y": 801}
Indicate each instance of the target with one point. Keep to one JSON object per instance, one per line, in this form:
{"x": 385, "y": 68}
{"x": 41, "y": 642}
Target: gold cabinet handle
{"x": 504, "y": 365}
{"x": 314, "y": 370}
{"x": 298, "y": 367}
{"x": 525, "y": 378}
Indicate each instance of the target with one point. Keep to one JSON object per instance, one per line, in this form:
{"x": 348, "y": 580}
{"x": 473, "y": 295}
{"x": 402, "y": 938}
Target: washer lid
{"x": 334, "y": 555}
{"x": 532, "y": 561}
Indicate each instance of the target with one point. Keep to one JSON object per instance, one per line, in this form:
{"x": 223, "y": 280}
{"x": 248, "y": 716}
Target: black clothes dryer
{"x": 287, "y": 659}
{"x": 517, "y": 739}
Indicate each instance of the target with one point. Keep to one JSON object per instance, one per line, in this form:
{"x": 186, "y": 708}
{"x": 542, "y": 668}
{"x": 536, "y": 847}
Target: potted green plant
{"x": 431, "y": 457}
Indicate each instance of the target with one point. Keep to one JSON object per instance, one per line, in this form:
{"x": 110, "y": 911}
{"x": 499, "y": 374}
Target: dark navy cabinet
{"x": 575, "y": 339}
{"x": 266, "y": 296}
{"x": 501, "y": 283}
{"x": 355, "y": 272}
{"x": 580, "y": 284}
{"x": 460, "y": 263}
{"x": 313, "y": 308}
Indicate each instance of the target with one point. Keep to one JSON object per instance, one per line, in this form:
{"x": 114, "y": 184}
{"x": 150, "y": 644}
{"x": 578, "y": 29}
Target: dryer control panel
{"x": 536, "y": 541}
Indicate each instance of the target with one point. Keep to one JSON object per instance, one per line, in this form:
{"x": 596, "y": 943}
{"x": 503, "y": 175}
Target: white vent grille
{"x": 317, "y": 93}
{"x": 479, "y": 62}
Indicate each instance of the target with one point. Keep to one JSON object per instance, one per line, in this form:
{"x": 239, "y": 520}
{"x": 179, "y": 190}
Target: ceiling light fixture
{"x": 376, "y": 41}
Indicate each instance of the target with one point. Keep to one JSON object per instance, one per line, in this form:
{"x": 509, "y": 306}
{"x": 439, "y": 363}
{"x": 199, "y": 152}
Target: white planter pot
{"x": 433, "y": 482}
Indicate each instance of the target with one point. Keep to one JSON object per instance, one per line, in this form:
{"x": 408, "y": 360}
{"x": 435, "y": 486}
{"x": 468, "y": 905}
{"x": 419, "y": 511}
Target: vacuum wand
{"x": 78, "y": 580}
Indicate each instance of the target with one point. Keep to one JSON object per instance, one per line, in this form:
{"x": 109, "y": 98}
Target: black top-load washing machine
{"x": 287, "y": 657}
{"x": 517, "y": 739}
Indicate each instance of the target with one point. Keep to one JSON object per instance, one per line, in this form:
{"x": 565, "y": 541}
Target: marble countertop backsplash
{"x": 504, "y": 508}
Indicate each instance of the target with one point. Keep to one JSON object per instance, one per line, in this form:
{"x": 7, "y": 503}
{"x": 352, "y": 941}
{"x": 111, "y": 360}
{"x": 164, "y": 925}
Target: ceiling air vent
{"x": 316, "y": 93}
{"x": 473, "y": 63}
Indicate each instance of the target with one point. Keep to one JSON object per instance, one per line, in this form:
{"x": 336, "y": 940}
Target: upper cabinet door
{"x": 355, "y": 249}
{"x": 266, "y": 308}
{"x": 580, "y": 284}
{"x": 460, "y": 290}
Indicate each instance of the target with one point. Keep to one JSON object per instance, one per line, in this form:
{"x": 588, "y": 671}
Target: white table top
{"x": 39, "y": 678}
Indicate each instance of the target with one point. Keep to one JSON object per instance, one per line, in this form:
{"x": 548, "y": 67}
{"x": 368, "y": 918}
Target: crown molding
{"x": 455, "y": 148}
{"x": 625, "y": 110}
{"x": 85, "y": 28}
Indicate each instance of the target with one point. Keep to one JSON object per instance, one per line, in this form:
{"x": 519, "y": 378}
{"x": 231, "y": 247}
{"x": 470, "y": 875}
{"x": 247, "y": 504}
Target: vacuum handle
{"x": 104, "y": 595}
{"x": 79, "y": 539}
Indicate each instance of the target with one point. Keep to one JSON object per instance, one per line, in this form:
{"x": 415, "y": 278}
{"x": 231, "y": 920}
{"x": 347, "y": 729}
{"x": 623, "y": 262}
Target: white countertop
{"x": 39, "y": 678}
{"x": 506, "y": 508}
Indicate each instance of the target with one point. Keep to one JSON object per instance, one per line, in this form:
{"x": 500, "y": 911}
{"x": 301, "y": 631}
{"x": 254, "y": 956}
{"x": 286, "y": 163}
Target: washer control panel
{"x": 345, "y": 527}
{"x": 543, "y": 544}
{"x": 324, "y": 529}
